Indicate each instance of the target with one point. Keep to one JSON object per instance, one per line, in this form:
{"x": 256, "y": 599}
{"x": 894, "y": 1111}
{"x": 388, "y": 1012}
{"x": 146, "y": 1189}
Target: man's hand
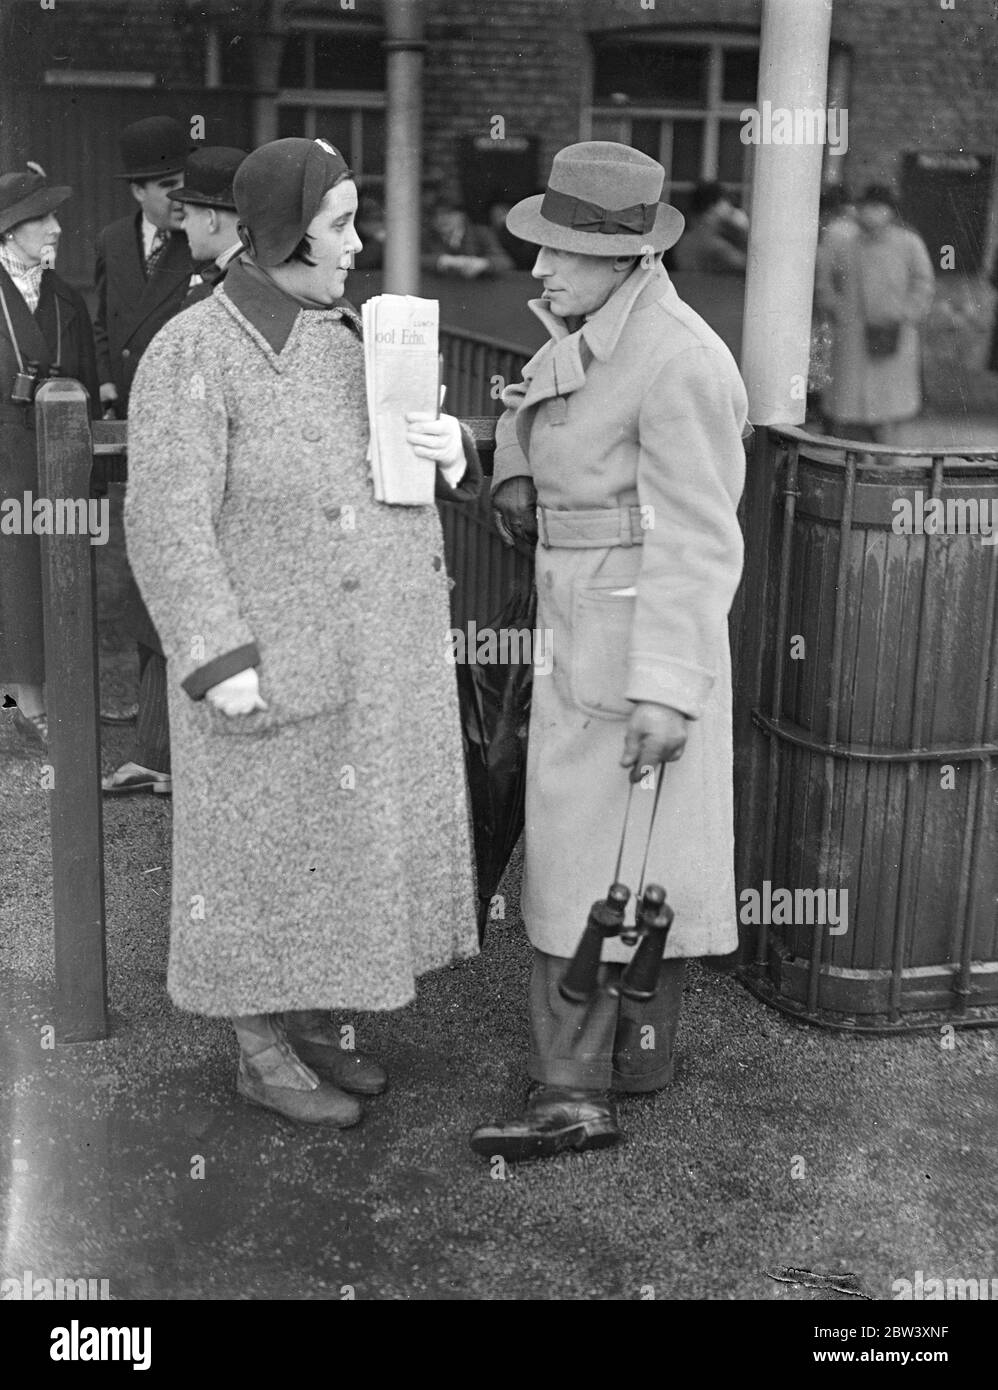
{"x": 655, "y": 734}
{"x": 514, "y": 508}
{"x": 435, "y": 438}
{"x": 239, "y": 694}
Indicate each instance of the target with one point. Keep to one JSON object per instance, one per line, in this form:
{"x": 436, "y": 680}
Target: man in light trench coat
{"x": 622, "y": 447}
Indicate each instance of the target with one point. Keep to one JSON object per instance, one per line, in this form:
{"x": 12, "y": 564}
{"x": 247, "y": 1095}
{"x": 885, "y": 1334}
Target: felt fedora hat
{"x": 278, "y": 189}
{"x": 208, "y": 176}
{"x": 602, "y": 199}
{"x": 153, "y": 148}
{"x": 27, "y": 195}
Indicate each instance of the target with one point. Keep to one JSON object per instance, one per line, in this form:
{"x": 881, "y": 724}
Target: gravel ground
{"x": 891, "y": 1141}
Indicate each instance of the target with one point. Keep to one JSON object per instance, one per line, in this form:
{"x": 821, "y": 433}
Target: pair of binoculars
{"x": 653, "y": 918}
{"x": 27, "y": 382}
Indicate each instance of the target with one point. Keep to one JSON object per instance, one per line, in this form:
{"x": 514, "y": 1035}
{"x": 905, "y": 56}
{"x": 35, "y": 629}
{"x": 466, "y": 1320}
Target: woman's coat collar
{"x": 268, "y": 309}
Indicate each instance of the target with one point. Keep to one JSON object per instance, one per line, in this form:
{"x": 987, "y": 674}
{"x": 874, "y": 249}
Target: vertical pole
{"x": 793, "y": 72}
{"x": 403, "y": 172}
{"x": 65, "y": 458}
{"x": 267, "y": 52}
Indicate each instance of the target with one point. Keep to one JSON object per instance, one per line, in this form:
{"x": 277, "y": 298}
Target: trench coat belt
{"x": 592, "y": 528}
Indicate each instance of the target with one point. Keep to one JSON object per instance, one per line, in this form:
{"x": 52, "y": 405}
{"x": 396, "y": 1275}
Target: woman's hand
{"x": 655, "y": 734}
{"x": 239, "y": 694}
{"x": 437, "y": 438}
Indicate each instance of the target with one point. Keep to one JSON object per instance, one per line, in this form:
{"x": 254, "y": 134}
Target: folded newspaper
{"x": 402, "y": 368}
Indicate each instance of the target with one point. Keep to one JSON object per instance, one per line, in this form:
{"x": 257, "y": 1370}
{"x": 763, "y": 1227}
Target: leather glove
{"x": 514, "y": 507}
{"x": 240, "y": 694}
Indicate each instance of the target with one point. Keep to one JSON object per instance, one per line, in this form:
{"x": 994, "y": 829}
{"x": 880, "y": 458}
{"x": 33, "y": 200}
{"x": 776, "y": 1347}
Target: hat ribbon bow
{"x": 565, "y": 210}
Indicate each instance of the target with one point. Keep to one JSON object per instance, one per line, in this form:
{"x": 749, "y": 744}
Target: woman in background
{"x": 44, "y": 331}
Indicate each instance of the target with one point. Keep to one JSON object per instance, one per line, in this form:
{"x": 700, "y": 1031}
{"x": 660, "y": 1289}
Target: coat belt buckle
{"x": 542, "y": 529}
{"x": 626, "y": 533}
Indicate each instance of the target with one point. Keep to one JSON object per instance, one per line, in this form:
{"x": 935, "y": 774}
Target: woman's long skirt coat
{"x": 321, "y": 850}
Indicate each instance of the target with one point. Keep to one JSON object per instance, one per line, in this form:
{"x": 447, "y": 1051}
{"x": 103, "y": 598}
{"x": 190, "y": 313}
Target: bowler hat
{"x": 27, "y": 195}
{"x": 602, "y": 199}
{"x": 278, "y": 189}
{"x": 208, "y": 176}
{"x": 153, "y": 148}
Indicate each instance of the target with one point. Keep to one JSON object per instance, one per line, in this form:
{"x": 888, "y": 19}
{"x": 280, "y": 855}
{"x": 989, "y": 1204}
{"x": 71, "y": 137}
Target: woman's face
{"x": 31, "y": 240}
{"x": 575, "y": 284}
{"x": 334, "y": 242}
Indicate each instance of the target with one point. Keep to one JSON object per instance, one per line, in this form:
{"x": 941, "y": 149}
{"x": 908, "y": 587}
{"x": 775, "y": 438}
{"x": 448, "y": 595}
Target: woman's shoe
{"x": 33, "y": 728}
{"x": 278, "y": 1080}
{"x": 318, "y": 1044}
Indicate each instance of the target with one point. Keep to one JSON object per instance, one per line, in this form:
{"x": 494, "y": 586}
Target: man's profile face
{"x": 152, "y": 196}
{"x": 197, "y": 224}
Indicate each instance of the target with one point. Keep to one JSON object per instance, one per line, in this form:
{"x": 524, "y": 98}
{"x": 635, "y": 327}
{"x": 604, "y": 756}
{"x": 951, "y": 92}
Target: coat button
{"x": 126, "y": 352}
{"x": 311, "y": 433}
{"x": 437, "y": 562}
{"x": 349, "y": 584}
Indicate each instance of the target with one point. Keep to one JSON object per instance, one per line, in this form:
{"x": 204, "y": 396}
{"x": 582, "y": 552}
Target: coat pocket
{"x": 601, "y": 635}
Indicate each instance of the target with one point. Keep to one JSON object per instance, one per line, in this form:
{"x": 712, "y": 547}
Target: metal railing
{"x": 476, "y": 370}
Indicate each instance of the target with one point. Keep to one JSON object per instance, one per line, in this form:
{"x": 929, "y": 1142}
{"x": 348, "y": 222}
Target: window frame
{"x": 711, "y": 115}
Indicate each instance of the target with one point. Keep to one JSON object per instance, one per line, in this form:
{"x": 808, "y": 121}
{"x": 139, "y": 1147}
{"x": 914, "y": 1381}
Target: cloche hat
{"x": 278, "y": 189}
{"x": 602, "y": 199}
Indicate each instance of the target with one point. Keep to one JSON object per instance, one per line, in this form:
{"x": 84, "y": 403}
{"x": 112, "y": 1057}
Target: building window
{"x": 679, "y": 100}
{"x": 332, "y": 85}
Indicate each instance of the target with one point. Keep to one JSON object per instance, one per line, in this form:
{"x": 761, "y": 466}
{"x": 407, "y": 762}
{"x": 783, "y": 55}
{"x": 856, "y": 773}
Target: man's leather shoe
{"x": 318, "y": 1044}
{"x": 277, "y": 1079}
{"x": 132, "y": 777}
{"x": 557, "y": 1120}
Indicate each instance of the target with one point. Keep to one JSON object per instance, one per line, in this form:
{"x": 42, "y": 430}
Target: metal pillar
{"x": 786, "y": 186}
{"x": 403, "y": 172}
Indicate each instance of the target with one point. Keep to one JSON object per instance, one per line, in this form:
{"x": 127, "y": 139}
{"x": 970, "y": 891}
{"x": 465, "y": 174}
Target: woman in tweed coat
{"x": 321, "y": 852}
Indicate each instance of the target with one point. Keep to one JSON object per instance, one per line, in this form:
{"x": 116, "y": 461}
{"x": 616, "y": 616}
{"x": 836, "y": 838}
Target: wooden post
{"x": 786, "y": 186}
{"x": 403, "y": 171}
{"x": 65, "y": 460}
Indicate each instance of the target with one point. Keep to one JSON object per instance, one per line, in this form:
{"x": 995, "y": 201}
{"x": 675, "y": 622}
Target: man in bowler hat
{"x": 209, "y": 216}
{"x": 144, "y": 269}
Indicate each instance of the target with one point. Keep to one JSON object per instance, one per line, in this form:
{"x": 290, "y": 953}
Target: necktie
{"x": 159, "y": 244}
